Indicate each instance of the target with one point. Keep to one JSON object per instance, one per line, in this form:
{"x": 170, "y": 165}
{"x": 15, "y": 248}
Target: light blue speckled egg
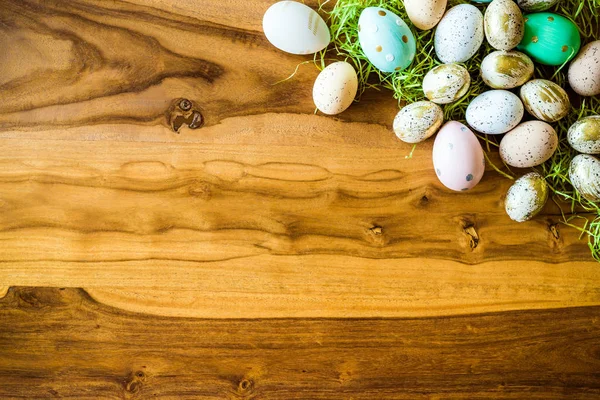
{"x": 385, "y": 39}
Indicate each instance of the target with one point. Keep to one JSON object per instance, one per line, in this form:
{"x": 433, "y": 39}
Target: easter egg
{"x": 425, "y": 14}
{"x": 506, "y": 69}
{"x": 495, "y": 112}
{"x": 418, "y": 121}
{"x": 545, "y": 100}
{"x": 584, "y": 135}
{"x": 536, "y": 5}
{"x": 529, "y": 144}
{"x": 295, "y": 28}
{"x": 458, "y": 157}
{"x": 446, "y": 83}
{"x": 459, "y": 34}
{"x": 584, "y": 72}
{"x": 504, "y": 24}
{"x": 385, "y": 39}
{"x": 584, "y": 173}
{"x": 550, "y": 39}
{"x": 335, "y": 88}
{"x": 526, "y": 197}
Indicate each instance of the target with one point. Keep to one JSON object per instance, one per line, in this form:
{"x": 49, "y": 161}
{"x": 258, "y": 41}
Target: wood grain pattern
{"x": 62, "y": 344}
{"x": 267, "y": 206}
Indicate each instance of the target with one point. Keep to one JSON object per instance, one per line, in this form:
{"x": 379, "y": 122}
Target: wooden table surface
{"x": 269, "y": 254}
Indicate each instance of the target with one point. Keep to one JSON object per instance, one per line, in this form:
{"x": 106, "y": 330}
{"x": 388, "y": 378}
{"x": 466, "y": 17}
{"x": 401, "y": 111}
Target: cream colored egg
{"x": 425, "y": 14}
{"x": 418, "y": 121}
{"x": 506, "y": 69}
{"x": 545, "y": 100}
{"x": 584, "y": 72}
{"x": 526, "y": 197}
{"x": 585, "y": 176}
{"x": 504, "y": 24}
{"x": 446, "y": 83}
{"x": 529, "y": 144}
{"x": 584, "y": 135}
{"x": 335, "y": 88}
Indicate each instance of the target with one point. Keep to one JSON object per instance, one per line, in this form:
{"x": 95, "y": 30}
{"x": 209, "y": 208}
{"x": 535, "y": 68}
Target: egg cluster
{"x": 518, "y": 40}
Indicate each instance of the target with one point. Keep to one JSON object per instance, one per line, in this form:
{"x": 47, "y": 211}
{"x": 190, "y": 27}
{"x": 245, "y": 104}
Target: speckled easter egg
{"x": 584, "y": 135}
{"x": 446, "y": 83}
{"x": 506, "y": 69}
{"x": 458, "y": 157}
{"x": 504, "y": 24}
{"x": 459, "y": 34}
{"x": 545, "y": 100}
{"x": 526, "y": 197}
{"x": 295, "y": 28}
{"x": 425, "y": 14}
{"x": 550, "y": 39}
{"x": 585, "y": 176}
{"x": 335, "y": 88}
{"x": 495, "y": 112}
{"x": 529, "y": 144}
{"x": 418, "y": 121}
{"x": 536, "y": 5}
{"x": 584, "y": 72}
{"x": 385, "y": 39}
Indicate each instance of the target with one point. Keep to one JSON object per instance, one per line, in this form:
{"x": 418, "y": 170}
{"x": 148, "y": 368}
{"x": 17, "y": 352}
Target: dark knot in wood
{"x": 184, "y": 112}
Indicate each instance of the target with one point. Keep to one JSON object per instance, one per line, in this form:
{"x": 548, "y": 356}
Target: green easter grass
{"x": 406, "y": 88}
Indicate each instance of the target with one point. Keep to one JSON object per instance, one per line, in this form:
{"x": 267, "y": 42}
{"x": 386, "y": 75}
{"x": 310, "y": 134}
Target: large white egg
{"x": 506, "y": 69}
{"x": 545, "y": 100}
{"x": 459, "y": 34}
{"x": 584, "y": 135}
{"x": 584, "y": 173}
{"x": 495, "y": 112}
{"x": 458, "y": 157}
{"x": 418, "y": 121}
{"x": 526, "y": 197}
{"x": 295, "y": 28}
{"x": 446, "y": 83}
{"x": 529, "y": 144}
{"x": 335, "y": 88}
{"x": 504, "y": 24}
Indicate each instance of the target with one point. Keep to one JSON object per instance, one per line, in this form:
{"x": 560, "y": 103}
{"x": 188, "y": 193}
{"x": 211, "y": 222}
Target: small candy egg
{"x": 550, "y": 39}
{"x": 335, "y": 88}
{"x": 495, "y": 112}
{"x": 446, "y": 83}
{"x": 458, "y": 157}
{"x": 459, "y": 34}
{"x": 504, "y": 24}
{"x": 526, "y": 197}
{"x": 425, "y": 14}
{"x": 385, "y": 39}
{"x": 506, "y": 69}
{"x": 295, "y": 28}
{"x": 584, "y": 72}
{"x": 536, "y": 5}
{"x": 585, "y": 176}
{"x": 529, "y": 144}
{"x": 545, "y": 100}
{"x": 418, "y": 121}
{"x": 584, "y": 135}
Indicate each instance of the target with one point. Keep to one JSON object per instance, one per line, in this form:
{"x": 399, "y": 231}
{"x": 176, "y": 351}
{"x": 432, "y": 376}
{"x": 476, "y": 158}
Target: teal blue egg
{"x": 386, "y": 39}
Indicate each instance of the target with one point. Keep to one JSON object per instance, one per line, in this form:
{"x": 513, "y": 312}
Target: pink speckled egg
{"x": 458, "y": 157}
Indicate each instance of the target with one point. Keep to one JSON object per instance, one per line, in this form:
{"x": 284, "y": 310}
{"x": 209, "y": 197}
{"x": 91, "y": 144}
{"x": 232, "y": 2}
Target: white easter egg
{"x": 418, "y": 121}
{"x": 446, "y": 83}
{"x": 506, "y": 69}
{"x": 584, "y": 135}
{"x": 585, "y": 176}
{"x": 459, "y": 34}
{"x": 458, "y": 157}
{"x": 545, "y": 100}
{"x": 335, "y": 88}
{"x": 495, "y": 112}
{"x": 504, "y": 24}
{"x": 529, "y": 144}
{"x": 295, "y": 28}
{"x": 526, "y": 197}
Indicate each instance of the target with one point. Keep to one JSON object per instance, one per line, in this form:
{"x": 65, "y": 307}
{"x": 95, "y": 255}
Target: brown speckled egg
{"x": 585, "y": 176}
{"x": 335, "y": 88}
{"x": 526, "y": 197}
{"x": 529, "y": 144}
{"x": 504, "y": 24}
{"x": 418, "y": 121}
{"x": 584, "y": 135}
{"x": 545, "y": 100}
{"x": 425, "y": 14}
{"x": 584, "y": 72}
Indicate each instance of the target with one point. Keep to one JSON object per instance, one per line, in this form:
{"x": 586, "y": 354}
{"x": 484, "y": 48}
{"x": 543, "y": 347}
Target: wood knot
{"x": 184, "y": 112}
{"x": 133, "y": 384}
{"x": 376, "y": 230}
{"x": 469, "y": 230}
{"x": 201, "y": 190}
{"x": 246, "y": 385}
{"x": 553, "y": 228}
